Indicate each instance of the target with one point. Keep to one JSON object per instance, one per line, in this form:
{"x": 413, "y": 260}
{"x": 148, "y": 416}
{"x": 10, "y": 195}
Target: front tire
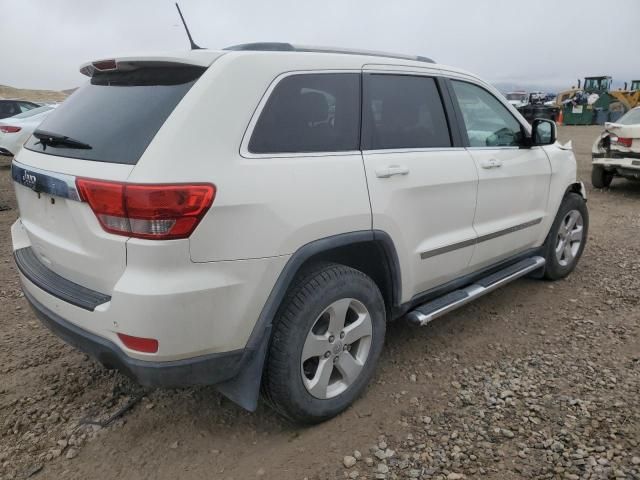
{"x": 327, "y": 338}
{"x": 567, "y": 237}
{"x": 600, "y": 178}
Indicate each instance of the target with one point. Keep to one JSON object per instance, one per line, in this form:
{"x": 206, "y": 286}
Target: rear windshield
{"x": 632, "y": 117}
{"x": 116, "y": 114}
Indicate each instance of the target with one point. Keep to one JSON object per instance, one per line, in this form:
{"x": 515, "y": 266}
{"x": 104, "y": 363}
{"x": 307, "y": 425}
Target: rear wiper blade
{"x": 55, "y": 139}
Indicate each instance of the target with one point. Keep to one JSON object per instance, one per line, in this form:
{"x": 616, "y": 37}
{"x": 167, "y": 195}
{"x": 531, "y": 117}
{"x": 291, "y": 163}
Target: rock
{"x": 635, "y": 460}
{"x": 349, "y": 461}
{"x": 357, "y": 455}
{"x": 31, "y": 471}
{"x": 383, "y": 468}
{"x": 455, "y": 476}
{"x": 174, "y": 445}
{"x": 260, "y": 472}
{"x": 507, "y": 433}
{"x": 506, "y": 394}
{"x": 354, "y": 474}
{"x": 71, "y": 453}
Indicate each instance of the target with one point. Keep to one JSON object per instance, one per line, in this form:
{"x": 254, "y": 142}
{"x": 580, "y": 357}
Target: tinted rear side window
{"x": 117, "y": 113}
{"x": 310, "y": 113}
{"x": 403, "y": 111}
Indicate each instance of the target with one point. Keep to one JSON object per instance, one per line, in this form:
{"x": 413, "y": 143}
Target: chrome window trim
{"x": 44, "y": 181}
{"x": 246, "y": 138}
{"x": 412, "y": 150}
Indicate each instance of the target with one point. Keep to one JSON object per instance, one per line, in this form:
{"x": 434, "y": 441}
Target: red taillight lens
{"x": 158, "y": 212}
{"x": 625, "y": 142}
{"x": 9, "y": 129}
{"x": 139, "y": 344}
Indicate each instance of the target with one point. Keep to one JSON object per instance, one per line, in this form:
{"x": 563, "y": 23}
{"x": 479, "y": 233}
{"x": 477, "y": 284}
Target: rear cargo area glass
{"x": 117, "y": 113}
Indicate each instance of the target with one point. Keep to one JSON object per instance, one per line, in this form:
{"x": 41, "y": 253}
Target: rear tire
{"x": 600, "y": 178}
{"x": 567, "y": 237}
{"x": 334, "y": 316}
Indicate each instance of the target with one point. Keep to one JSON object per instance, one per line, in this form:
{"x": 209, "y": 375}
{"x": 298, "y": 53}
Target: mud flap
{"x": 244, "y": 388}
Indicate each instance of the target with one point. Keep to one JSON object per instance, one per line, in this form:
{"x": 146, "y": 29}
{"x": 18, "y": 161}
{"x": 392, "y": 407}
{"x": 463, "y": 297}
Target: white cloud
{"x": 547, "y": 42}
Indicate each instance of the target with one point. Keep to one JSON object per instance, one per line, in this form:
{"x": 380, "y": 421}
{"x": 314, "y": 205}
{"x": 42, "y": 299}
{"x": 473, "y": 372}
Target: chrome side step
{"x": 438, "y": 307}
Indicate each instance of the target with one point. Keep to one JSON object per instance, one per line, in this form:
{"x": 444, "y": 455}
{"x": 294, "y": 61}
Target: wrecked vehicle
{"x": 616, "y": 152}
{"x": 536, "y": 107}
{"x": 518, "y": 99}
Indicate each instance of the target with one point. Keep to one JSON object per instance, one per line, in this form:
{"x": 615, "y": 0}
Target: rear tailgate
{"x": 63, "y": 231}
{"x": 100, "y": 133}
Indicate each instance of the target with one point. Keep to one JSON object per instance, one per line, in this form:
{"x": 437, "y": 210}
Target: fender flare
{"x": 577, "y": 187}
{"x": 244, "y": 389}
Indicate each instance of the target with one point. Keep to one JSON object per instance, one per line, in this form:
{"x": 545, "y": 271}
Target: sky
{"x": 542, "y": 43}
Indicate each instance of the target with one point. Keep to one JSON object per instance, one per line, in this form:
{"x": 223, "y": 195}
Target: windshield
{"x": 35, "y": 111}
{"x": 516, "y": 96}
{"x": 632, "y": 117}
{"x": 115, "y": 115}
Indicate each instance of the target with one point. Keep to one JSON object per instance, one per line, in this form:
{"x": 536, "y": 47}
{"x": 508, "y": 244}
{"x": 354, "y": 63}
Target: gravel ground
{"x": 537, "y": 380}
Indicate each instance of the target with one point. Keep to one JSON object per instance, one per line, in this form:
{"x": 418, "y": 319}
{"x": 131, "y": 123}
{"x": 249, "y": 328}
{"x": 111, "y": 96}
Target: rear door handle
{"x": 391, "y": 170}
{"x": 491, "y": 163}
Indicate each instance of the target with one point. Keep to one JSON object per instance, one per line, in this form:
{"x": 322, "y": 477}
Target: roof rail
{"x": 288, "y": 47}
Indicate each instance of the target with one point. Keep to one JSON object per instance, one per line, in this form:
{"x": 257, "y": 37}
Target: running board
{"x": 435, "y": 308}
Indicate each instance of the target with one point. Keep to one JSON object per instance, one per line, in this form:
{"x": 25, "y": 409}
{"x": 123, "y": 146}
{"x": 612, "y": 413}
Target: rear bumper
{"x": 203, "y": 370}
{"x": 624, "y": 166}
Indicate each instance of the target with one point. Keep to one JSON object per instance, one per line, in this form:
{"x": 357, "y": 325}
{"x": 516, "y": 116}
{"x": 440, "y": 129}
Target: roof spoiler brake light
{"x": 109, "y": 65}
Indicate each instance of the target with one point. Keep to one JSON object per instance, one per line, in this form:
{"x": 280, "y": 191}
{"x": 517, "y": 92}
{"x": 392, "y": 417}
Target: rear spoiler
{"x": 196, "y": 58}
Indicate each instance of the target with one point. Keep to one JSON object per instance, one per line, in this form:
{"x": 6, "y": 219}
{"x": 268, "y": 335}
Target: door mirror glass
{"x": 543, "y": 132}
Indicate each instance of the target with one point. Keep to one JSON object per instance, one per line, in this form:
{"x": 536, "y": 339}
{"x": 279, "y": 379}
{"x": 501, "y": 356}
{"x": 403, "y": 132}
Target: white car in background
{"x": 616, "y": 152}
{"x": 518, "y": 99}
{"x": 15, "y": 130}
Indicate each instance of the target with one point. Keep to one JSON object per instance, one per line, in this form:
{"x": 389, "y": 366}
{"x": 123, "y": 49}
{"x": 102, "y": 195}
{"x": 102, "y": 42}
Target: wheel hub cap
{"x": 570, "y": 237}
{"x": 336, "y": 348}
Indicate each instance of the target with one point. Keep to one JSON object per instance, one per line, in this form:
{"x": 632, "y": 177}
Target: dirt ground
{"x": 537, "y": 380}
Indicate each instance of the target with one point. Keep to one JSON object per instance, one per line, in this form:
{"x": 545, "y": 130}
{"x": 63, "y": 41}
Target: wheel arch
{"x": 370, "y": 251}
{"x": 577, "y": 187}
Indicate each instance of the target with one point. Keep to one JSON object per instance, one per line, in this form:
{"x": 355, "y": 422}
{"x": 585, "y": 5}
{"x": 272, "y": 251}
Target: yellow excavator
{"x": 630, "y": 97}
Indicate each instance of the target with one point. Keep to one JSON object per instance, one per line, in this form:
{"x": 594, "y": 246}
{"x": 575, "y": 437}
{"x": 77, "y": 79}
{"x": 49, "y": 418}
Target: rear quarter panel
{"x": 264, "y": 206}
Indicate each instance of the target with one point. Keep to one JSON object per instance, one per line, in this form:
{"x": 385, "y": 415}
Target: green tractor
{"x": 595, "y": 104}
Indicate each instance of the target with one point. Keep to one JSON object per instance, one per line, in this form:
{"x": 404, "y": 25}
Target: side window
{"x": 403, "y": 111}
{"x": 487, "y": 120}
{"x": 310, "y": 113}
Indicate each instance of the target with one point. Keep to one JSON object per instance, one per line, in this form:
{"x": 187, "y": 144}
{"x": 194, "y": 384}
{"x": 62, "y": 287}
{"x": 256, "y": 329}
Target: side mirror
{"x": 543, "y": 132}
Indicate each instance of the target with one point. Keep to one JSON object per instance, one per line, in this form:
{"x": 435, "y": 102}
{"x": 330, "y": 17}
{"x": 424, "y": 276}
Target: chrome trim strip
{"x": 483, "y": 238}
{"x": 44, "y": 181}
{"x": 448, "y": 248}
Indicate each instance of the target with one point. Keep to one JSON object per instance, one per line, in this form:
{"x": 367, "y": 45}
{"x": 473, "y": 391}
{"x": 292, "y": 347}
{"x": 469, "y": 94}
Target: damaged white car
{"x": 616, "y": 152}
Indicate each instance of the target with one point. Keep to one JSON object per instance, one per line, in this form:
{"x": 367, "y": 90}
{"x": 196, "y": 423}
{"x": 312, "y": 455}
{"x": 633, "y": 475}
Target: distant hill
{"x": 32, "y": 95}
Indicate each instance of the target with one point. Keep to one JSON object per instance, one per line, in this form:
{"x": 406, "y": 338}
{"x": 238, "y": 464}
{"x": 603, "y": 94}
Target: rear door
{"x": 108, "y": 124}
{"x": 514, "y": 181}
{"x": 422, "y": 183}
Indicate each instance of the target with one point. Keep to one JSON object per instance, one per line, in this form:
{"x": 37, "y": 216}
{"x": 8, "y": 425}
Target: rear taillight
{"x": 9, "y": 129}
{"x": 157, "y": 212}
{"x": 625, "y": 142}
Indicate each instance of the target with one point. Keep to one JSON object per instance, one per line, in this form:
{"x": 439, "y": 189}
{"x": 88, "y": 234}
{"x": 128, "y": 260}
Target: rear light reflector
{"x": 9, "y": 129}
{"x": 139, "y": 344}
{"x": 105, "y": 65}
{"x": 157, "y": 212}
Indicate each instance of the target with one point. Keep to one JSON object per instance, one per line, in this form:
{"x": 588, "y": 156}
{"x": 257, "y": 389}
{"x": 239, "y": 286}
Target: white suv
{"x": 253, "y": 217}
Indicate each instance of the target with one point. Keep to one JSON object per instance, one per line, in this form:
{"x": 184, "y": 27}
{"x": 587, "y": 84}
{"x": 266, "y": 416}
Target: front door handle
{"x": 391, "y": 170}
{"x": 491, "y": 163}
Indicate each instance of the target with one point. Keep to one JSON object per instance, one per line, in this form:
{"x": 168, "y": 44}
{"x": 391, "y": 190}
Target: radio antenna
{"x": 194, "y": 46}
